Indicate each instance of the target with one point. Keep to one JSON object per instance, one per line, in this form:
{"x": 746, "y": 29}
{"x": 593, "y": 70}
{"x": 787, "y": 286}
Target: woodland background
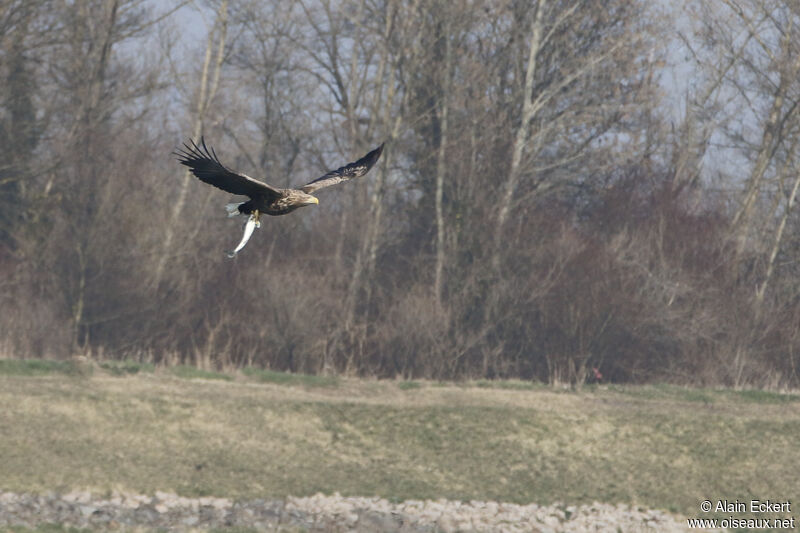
{"x": 569, "y": 188}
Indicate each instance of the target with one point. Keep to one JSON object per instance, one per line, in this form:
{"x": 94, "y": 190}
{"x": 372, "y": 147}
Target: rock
{"x": 190, "y": 520}
{"x": 322, "y": 513}
{"x": 369, "y": 521}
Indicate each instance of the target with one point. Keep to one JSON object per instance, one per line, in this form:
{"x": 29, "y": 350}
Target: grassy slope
{"x": 661, "y": 447}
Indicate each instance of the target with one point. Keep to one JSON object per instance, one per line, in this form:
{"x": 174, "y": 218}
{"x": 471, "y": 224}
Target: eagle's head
{"x": 307, "y": 199}
{"x": 295, "y": 198}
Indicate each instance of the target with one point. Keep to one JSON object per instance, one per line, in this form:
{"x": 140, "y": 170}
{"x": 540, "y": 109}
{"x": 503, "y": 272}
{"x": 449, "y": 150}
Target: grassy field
{"x": 260, "y": 434}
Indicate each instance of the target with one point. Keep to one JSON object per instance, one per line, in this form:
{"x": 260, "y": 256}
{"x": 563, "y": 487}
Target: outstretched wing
{"x": 352, "y": 170}
{"x": 206, "y": 166}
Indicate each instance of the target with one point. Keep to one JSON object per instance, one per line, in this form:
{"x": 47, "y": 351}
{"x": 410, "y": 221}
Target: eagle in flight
{"x": 264, "y": 199}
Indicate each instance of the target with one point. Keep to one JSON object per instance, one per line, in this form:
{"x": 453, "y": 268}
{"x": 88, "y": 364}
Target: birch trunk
{"x": 205, "y": 96}
{"x": 376, "y": 207}
{"x": 765, "y": 153}
{"x": 440, "y": 172}
{"x": 366, "y": 255}
{"x": 523, "y": 133}
{"x": 770, "y": 141}
{"x": 85, "y": 130}
{"x": 776, "y": 242}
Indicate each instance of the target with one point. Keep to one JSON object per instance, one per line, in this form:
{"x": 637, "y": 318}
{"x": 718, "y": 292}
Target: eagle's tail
{"x": 233, "y": 209}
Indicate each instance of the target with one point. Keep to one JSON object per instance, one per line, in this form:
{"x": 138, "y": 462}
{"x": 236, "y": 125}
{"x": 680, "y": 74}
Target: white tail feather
{"x": 233, "y": 209}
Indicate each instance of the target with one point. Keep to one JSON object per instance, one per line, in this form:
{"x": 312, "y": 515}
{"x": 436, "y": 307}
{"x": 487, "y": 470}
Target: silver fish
{"x": 249, "y": 226}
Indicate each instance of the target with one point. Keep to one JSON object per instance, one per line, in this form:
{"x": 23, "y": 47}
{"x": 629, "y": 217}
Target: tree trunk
{"x": 776, "y": 242}
{"x": 205, "y": 96}
{"x": 771, "y": 139}
{"x": 440, "y": 174}
{"x": 522, "y": 135}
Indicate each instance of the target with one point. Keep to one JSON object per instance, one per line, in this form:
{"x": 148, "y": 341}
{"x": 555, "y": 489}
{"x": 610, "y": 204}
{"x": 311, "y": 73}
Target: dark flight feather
{"x": 264, "y": 199}
{"x": 206, "y": 166}
{"x": 349, "y": 171}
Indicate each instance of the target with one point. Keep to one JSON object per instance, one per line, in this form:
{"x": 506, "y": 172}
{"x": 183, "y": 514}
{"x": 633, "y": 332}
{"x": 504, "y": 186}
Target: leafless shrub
{"x": 534, "y": 214}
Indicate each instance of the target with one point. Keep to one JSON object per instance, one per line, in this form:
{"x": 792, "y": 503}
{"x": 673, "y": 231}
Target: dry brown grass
{"x": 661, "y": 447}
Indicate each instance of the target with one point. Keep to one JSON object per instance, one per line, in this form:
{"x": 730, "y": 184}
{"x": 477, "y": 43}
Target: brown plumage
{"x": 263, "y": 198}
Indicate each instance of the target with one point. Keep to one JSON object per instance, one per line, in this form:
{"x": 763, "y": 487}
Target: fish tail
{"x": 249, "y": 227}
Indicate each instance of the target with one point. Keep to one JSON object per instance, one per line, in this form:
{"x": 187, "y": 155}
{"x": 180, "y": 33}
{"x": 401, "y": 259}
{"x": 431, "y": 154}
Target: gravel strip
{"x": 333, "y": 513}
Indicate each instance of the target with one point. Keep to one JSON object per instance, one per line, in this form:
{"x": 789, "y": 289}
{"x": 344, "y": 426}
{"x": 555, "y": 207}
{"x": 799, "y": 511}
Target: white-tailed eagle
{"x": 264, "y": 199}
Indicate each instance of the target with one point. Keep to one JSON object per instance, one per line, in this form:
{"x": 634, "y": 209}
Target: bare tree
{"x": 534, "y": 215}
{"x": 206, "y": 90}
{"x": 571, "y": 78}
{"x": 755, "y": 42}
{"x": 21, "y": 29}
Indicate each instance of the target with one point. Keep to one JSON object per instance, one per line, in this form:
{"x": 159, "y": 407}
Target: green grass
{"x": 704, "y": 396}
{"x": 40, "y": 367}
{"x": 508, "y": 384}
{"x": 126, "y": 367}
{"x": 662, "y": 447}
{"x": 409, "y": 385}
{"x": 191, "y": 372}
{"x": 47, "y": 528}
{"x": 286, "y": 378}
{"x": 761, "y": 396}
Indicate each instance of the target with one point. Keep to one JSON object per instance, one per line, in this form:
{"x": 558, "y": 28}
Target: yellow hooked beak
{"x": 313, "y": 200}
